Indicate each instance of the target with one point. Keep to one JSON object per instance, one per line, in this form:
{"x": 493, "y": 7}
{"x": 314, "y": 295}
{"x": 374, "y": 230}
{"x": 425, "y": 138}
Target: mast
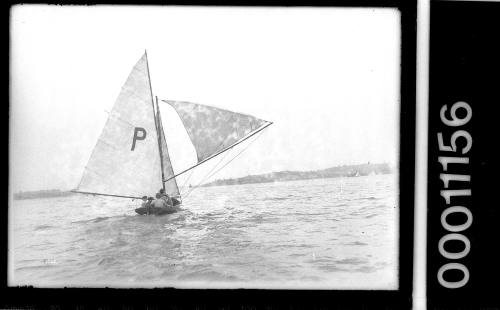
{"x": 222, "y": 151}
{"x": 156, "y": 121}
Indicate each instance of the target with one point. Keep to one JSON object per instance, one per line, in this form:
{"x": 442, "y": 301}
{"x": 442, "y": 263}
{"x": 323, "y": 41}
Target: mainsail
{"x": 213, "y": 130}
{"x": 126, "y": 159}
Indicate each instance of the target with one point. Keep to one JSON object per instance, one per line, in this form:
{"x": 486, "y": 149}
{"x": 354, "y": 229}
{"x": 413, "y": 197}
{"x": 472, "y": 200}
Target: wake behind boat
{"x": 131, "y": 159}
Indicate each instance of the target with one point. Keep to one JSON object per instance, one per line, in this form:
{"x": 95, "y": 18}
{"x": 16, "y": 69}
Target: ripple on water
{"x": 208, "y": 276}
{"x": 36, "y": 267}
{"x": 43, "y": 227}
{"x": 351, "y": 261}
{"x": 259, "y": 232}
{"x": 356, "y": 243}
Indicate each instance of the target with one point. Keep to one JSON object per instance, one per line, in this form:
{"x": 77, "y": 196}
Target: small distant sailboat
{"x": 131, "y": 159}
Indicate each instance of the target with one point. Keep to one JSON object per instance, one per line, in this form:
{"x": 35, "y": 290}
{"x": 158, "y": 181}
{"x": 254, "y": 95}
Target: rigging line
{"x": 222, "y": 151}
{"x": 211, "y": 170}
{"x": 206, "y": 178}
{"x": 110, "y": 195}
{"x": 257, "y": 137}
{"x": 215, "y": 166}
{"x": 187, "y": 179}
{"x": 203, "y": 180}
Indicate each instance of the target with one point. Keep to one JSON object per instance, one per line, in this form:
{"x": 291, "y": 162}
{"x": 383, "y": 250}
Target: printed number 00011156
{"x": 454, "y": 231}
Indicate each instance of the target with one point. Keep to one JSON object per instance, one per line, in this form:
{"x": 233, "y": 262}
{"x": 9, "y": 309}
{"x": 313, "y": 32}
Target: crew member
{"x": 162, "y": 195}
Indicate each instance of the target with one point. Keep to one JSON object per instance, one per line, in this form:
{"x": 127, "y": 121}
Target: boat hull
{"x": 155, "y": 210}
{"x": 152, "y": 210}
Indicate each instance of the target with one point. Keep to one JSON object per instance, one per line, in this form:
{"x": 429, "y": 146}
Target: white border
{"x": 422, "y": 114}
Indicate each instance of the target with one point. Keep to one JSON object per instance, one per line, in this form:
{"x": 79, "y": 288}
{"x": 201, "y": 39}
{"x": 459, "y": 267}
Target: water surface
{"x": 338, "y": 233}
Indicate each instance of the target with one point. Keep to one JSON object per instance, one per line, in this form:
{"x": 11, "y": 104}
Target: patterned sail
{"x": 210, "y": 129}
{"x": 126, "y": 159}
{"x": 171, "y": 187}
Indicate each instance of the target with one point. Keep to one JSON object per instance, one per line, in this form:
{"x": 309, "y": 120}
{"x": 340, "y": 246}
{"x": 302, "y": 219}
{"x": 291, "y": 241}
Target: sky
{"x": 328, "y": 78}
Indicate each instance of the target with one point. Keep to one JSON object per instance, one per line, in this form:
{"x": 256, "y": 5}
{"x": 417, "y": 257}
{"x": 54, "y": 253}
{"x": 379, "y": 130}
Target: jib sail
{"x": 171, "y": 187}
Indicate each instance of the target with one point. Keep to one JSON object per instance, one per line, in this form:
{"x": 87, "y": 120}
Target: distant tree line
{"x": 41, "y": 194}
{"x": 334, "y": 172}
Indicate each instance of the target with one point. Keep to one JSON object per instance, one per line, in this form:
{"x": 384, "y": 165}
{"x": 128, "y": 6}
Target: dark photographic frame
{"x": 463, "y": 68}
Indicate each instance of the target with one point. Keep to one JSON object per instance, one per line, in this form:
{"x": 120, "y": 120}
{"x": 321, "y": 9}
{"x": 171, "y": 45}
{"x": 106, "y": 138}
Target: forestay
{"x": 126, "y": 159}
{"x": 212, "y": 130}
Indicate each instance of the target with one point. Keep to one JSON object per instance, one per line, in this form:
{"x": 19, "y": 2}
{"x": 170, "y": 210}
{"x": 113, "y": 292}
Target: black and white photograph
{"x": 205, "y": 147}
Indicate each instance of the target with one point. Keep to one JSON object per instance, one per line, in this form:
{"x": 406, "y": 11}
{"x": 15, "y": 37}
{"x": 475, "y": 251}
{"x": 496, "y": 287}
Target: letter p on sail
{"x": 138, "y": 136}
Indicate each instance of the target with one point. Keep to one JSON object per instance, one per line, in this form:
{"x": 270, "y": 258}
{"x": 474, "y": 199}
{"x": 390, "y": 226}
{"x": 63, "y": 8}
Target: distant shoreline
{"x": 280, "y": 176}
{"x": 333, "y": 172}
{"x": 50, "y": 193}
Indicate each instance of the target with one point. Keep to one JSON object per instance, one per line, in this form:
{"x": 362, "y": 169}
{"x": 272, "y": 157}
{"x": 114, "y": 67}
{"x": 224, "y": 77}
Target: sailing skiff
{"x": 131, "y": 158}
